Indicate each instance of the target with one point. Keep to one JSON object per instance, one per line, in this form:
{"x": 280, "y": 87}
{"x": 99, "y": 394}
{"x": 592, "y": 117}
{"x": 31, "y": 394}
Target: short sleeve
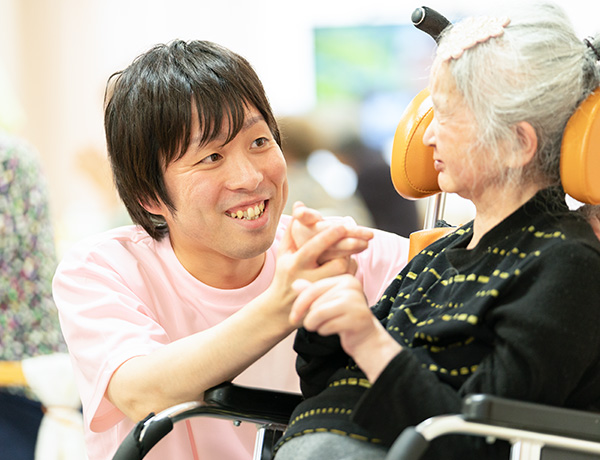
{"x": 104, "y": 323}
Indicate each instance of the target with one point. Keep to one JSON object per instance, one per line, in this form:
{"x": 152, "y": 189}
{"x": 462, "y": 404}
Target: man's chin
{"x": 250, "y": 251}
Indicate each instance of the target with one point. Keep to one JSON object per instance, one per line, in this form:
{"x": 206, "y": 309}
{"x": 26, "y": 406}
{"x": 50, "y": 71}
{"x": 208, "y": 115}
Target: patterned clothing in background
{"x": 28, "y": 318}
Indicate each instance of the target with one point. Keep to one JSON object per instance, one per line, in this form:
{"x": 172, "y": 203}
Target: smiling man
{"x": 198, "y": 291}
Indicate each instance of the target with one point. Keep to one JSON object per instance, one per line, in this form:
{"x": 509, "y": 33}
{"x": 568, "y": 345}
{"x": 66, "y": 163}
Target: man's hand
{"x": 307, "y": 223}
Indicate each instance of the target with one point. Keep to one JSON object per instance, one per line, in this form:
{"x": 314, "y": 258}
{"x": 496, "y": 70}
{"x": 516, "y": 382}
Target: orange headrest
{"x": 412, "y": 168}
{"x": 580, "y": 152}
{"x": 414, "y": 175}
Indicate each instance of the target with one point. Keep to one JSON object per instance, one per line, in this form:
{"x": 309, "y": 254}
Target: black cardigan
{"x": 518, "y": 316}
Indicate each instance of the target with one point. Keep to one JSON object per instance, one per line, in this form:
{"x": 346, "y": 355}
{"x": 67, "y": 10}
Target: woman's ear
{"x": 527, "y": 144}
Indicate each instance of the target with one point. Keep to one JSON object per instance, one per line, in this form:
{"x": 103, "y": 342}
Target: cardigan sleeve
{"x": 546, "y": 350}
{"x": 318, "y": 358}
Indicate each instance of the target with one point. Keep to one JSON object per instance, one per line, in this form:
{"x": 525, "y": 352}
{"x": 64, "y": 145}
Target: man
{"x": 157, "y": 313}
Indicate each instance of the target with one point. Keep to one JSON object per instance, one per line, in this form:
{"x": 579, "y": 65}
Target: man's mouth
{"x": 250, "y": 213}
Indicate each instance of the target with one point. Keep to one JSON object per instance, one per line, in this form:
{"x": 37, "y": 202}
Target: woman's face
{"x": 453, "y": 136}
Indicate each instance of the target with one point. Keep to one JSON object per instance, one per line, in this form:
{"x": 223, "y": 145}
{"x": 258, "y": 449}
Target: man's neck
{"x": 222, "y": 272}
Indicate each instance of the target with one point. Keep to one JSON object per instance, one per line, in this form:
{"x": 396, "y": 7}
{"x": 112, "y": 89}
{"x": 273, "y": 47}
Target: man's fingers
{"x": 297, "y": 204}
{"x": 352, "y": 267}
{"x": 344, "y": 248}
{"x": 362, "y": 233}
{"x": 307, "y": 216}
{"x": 321, "y": 242}
{"x": 287, "y": 242}
{"x": 352, "y": 231}
{"x": 334, "y": 267}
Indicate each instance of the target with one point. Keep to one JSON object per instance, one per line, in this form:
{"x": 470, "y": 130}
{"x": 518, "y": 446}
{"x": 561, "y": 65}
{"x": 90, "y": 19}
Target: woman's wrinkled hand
{"x": 337, "y": 305}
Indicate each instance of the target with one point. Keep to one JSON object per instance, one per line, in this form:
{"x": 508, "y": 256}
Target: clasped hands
{"x": 334, "y": 302}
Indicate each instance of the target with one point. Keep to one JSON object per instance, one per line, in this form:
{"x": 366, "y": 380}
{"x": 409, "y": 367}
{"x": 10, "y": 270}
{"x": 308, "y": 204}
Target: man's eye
{"x": 261, "y": 142}
{"x": 212, "y": 158}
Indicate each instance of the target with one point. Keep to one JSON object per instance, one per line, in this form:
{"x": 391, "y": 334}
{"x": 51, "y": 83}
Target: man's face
{"x": 228, "y": 198}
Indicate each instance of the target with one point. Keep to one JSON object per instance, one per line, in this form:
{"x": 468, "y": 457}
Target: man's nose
{"x": 245, "y": 173}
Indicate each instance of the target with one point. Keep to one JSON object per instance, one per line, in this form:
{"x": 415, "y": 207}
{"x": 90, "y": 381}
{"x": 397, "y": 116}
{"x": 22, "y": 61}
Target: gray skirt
{"x": 330, "y": 446}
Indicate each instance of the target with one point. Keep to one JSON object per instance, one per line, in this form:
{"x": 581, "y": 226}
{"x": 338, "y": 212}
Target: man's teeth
{"x": 253, "y": 212}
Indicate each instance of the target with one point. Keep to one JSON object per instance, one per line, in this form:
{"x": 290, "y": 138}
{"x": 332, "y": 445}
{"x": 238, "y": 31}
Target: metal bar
{"x": 436, "y": 205}
{"x": 455, "y": 424}
{"x": 526, "y": 450}
{"x": 258, "y": 445}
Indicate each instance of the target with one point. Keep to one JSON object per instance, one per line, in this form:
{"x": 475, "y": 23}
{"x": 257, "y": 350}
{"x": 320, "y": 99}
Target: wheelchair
{"x": 534, "y": 431}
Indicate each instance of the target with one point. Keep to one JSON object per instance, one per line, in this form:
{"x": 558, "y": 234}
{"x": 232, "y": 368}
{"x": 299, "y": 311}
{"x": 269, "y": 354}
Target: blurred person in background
{"x": 28, "y": 317}
{"x": 390, "y": 211}
{"x": 299, "y": 139}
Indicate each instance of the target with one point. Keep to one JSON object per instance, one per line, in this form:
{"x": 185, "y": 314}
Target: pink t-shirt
{"x": 122, "y": 294}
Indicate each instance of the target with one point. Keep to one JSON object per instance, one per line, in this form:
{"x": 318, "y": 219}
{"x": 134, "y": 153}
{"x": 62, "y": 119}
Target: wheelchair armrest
{"x": 529, "y": 416}
{"x": 500, "y": 418}
{"x": 225, "y": 401}
{"x": 276, "y": 406}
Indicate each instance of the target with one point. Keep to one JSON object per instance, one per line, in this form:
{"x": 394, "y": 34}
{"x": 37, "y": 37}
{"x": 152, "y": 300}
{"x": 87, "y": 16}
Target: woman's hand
{"x": 337, "y": 305}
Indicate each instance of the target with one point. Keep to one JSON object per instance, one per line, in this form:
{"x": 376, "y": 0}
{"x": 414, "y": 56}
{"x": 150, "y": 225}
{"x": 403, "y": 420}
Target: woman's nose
{"x": 428, "y": 135}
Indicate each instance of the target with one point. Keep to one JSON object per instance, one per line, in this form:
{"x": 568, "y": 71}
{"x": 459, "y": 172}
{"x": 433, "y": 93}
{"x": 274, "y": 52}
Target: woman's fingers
{"x": 322, "y": 296}
{"x": 300, "y": 307}
{"x": 329, "y": 322}
{"x": 308, "y": 294}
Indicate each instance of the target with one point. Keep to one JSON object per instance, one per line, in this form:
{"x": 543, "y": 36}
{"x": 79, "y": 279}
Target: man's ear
{"x": 153, "y": 206}
{"x": 527, "y": 144}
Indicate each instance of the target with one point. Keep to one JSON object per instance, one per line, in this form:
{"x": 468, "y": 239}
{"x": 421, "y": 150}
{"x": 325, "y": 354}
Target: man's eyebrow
{"x": 222, "y": 136}
{"x": 251, "y": 121}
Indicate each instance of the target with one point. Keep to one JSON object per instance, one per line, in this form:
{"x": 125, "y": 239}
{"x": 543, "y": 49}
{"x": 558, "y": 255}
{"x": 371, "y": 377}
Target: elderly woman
{"x": 508, "y": 303}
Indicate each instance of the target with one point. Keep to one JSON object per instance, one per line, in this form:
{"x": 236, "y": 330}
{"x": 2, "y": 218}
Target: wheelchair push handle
{"x": 410, "y": 445}
{"x": 429, "y": 21}
{"x": 143, "y": 437}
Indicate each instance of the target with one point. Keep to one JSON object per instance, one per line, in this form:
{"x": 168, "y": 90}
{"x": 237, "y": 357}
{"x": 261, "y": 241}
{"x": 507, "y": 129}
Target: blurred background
{"x": 347, "y": 69}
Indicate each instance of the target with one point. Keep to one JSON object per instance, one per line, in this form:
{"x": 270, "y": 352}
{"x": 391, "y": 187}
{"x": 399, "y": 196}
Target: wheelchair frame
{"x": 269, "y": 410}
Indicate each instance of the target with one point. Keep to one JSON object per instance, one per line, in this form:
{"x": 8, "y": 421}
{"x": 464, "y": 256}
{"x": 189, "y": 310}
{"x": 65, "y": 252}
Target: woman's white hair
{"x": 537, "y": 71}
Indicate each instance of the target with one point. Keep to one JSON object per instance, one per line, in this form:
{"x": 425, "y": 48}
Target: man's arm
{"x": 182, "y": 370}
